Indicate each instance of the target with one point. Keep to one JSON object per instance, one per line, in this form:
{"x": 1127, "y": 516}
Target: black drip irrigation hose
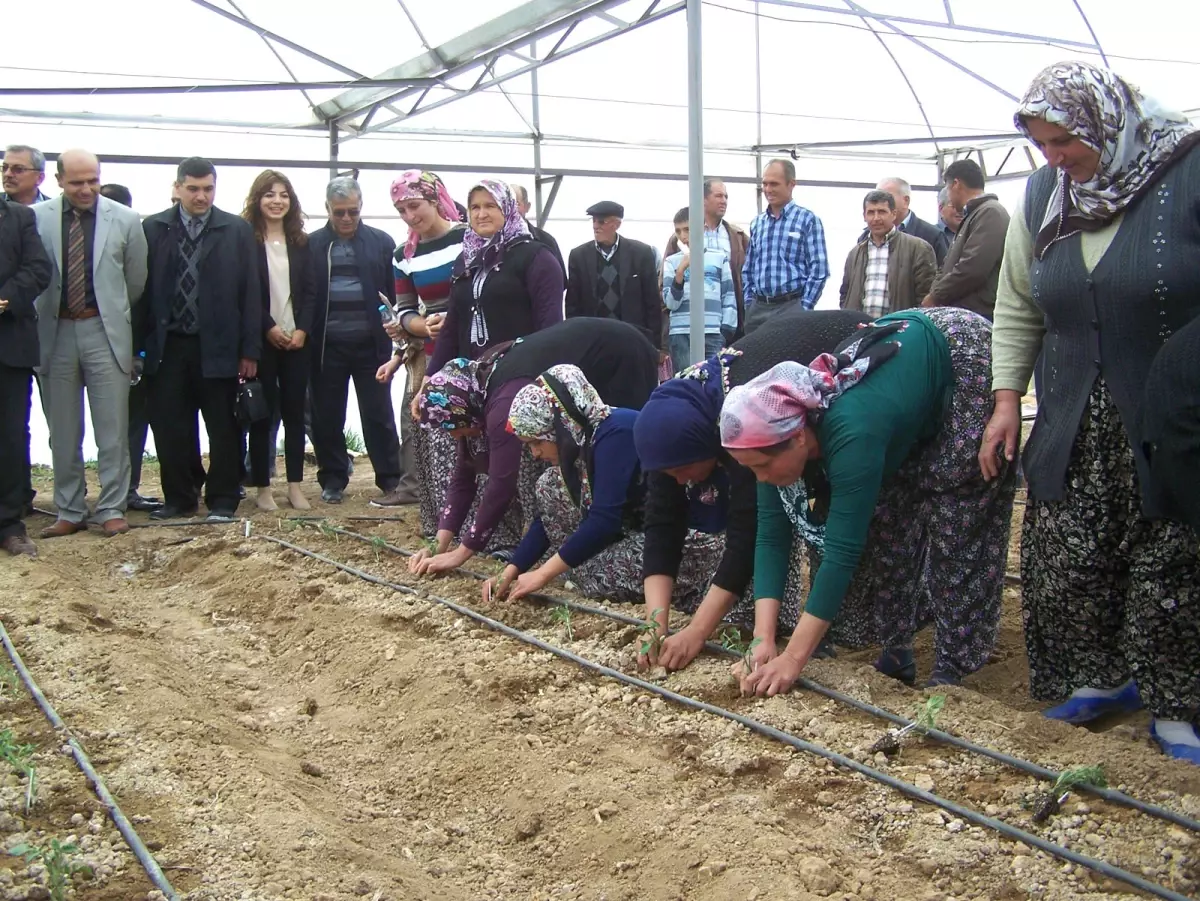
{"x": 1025, "y": 766}
{"x": 136, "y": 845}
{"x": 182, "y": 523}
{"x": 799, "y": 744}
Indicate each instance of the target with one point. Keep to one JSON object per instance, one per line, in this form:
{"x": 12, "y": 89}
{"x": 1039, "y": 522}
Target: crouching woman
{"x": 911, "y": 532}
{"x": 589, "y": 504}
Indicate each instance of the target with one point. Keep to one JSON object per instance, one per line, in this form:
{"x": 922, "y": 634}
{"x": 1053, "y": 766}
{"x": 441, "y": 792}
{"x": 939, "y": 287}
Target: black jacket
{"x": 230, "y": 303}
{"x": 373, "y": 249}
{"x": 24, "y": 274}
{"x": 544, "y": 237}
{"x": 637, "y": 284}
{"x": 927, "y": 232}
{"x": 304, "y": 287}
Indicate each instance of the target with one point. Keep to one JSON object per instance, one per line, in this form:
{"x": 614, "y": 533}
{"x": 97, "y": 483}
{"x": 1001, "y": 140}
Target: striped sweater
{"x": 424, "y": 280}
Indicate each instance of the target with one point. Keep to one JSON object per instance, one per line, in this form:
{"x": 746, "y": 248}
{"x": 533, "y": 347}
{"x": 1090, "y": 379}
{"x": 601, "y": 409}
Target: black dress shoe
{"x": 331, "y": 496}
{"x": 146, "y": 504}
{"x": 241, "y": 492}
{"x": 170, "y": 511}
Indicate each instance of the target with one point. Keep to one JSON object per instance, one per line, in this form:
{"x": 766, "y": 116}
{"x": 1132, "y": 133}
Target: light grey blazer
{"x": 119, "y": 260}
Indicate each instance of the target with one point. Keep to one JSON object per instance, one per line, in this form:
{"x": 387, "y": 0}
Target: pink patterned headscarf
{"x": 417, "y": 185}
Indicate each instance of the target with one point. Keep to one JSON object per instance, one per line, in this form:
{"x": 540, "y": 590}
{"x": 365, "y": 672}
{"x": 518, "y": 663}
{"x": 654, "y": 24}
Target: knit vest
{"x": 1110, "y": 323}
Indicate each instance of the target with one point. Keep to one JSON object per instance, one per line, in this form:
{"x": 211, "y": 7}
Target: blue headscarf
{"x": 679, "y": 425}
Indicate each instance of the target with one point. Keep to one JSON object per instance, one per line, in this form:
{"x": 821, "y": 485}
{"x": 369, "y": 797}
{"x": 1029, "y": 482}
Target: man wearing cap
{"x": 613, "y": 277}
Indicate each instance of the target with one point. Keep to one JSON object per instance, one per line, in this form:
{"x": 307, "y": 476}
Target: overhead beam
{"x": 222, "y": 88}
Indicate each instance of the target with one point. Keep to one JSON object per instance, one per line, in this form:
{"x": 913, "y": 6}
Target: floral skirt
{"x": 616, "y": 572}
{"x": 1108, "y": 595}
{"x": 937, "y": 547}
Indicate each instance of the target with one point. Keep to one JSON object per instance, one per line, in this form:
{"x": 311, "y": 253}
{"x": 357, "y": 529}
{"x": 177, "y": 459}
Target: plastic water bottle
{"x": 388, "y": 315}
{"x": 139, "y": 366}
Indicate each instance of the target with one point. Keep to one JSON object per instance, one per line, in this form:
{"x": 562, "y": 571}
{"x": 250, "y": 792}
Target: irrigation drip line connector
{"x": 1016, "y": 763}
{"x": 793, "y": 741}
{"x": 136, "y": 845}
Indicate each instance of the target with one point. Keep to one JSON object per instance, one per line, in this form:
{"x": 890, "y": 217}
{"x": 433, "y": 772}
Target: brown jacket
{"x": 971, "y": 270}
{"x": 911, "y": 268}
{"x": 739, "y": 242}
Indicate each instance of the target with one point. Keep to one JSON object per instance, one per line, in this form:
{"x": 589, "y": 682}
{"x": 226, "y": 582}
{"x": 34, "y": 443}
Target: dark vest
{"x": 505, "y": 300}
{"x": 1111, "y": 322}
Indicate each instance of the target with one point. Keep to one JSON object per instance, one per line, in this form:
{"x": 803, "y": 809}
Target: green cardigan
{"x": 865, "y": 436}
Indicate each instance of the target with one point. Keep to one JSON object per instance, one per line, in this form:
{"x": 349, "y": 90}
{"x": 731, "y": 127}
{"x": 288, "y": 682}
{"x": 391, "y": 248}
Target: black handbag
{"x": 251, "y": 403}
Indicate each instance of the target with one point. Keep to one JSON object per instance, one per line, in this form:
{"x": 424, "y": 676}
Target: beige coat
{"x": 911, "y": 268}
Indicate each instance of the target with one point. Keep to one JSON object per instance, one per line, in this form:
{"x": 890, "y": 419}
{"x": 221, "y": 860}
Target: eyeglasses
{"x": 14, "y": 169}
{"x": 345, "y": 214}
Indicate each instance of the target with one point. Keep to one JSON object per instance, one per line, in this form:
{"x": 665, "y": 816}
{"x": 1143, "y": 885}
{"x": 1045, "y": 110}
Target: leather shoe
{"x": 63, "y": 528}
{"x": 331, "y": 496}
{"x": 114, "y": 526}
{"x": 18, "y": 545}
{"x": 170, "y": 511}
{"x": 146, "y": 504}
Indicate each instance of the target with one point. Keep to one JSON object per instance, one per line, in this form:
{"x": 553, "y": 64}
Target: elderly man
{"x": 786, "y": 264}
{"x": 201, "y": 322}
{"x": 888, "y": 270}
{"x": 540, "y": 235}
{"x": 24, "y": 274}
{"x": 722, "y": 236}
{"x": 354, "y": 276}
{"x": 949, "y": 218}
{"x": 613, "y": 277}
{"x": 24, "y": 170}
{"x": 98, "y": 250}
{"x": 908, "y": 221}
{"x": 970, "y": 273}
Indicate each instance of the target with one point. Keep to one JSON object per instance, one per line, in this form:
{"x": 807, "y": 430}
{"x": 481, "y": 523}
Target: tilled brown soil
{"x": 282, "y": 730}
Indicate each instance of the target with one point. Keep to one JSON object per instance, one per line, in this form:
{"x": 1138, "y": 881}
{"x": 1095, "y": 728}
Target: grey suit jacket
{"x": 119, "y": 260}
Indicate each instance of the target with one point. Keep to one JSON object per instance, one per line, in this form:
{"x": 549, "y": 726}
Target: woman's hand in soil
{"x": 760, "y": 655}
{"x": 497, "y": 588}
{"x": 682, "y": 648}
{"x": 432, "y": 566}
{"x": 774, "y": 678}
{"x": 528, "y": 583}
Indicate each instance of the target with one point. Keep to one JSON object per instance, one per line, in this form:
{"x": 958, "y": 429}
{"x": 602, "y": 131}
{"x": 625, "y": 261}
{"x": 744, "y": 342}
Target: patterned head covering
{"x": 563, "y": 407}
{"x": 417, "y": 185}
{"x": 1134, "y": 135}
{"x": 485, "y": 254}
{"x": 453, "y": 398}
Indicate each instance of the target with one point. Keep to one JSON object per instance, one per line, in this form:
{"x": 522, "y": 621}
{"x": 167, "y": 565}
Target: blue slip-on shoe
{"x": 1084, "y": 710}
{"x": 1179, "y": 751}
{"x": 899, "y": 664}
{"x": 939, "y": 678}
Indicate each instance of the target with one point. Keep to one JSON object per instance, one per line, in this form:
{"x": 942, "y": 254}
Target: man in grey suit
{"x": 98, "y": 254}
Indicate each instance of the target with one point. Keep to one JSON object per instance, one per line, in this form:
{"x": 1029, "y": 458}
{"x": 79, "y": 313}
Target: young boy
{"x": 720, "y": 302}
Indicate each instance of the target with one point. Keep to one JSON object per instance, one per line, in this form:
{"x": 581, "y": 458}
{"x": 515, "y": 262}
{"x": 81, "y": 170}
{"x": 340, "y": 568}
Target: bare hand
{"x": 683, "y": 264}
{"x": 395, "y": 332}
{"x": 929, "y": 301}
{"x": 432, "y": 566}
{"x": 384, "y": 373}
{"x": 680, "y": 649}
{"x": 775, "y": 677}
{"x": 1002, "y": 434}
{"x": 278, "y": 339}
{"x": 298, "y": 339}
{"x": 414, "y": 409}
{"x": 3, "y": 306}
{"x": 527, "y": 583}
{"x": 434, "y": 323}
{"x": 247, "y": 369}
{"x": 761, "y": 654}
{"x": 497, "y": 588}
{"x": 417, "y": 559}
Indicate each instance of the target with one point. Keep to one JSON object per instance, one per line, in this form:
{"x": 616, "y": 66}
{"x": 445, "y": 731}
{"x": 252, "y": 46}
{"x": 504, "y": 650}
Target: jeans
{"x": 680, "y": 348}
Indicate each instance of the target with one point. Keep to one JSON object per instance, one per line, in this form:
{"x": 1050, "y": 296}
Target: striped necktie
{"x": 76, "y": 267}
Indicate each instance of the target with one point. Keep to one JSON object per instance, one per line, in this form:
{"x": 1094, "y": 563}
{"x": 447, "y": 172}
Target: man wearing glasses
{"x": 354, "y": 276}
{"x": 24, "y": 169}
{"x": 200, "y": 322}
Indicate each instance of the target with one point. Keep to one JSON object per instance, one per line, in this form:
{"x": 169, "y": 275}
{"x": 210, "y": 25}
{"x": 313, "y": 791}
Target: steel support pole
{"x": 537, "y": 142}
{"x": 758, "y": 157}
{"x": 696, "y": 179}
{"x": 333, "y": 149}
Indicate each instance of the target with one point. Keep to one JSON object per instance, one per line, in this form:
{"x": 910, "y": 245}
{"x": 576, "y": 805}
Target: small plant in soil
{"x": 1047, "y": 804}
{"x": 731, "y": 640}
{"x": 328, "y": 531}
{"x": 923, "y": 722}
{"x": 10, "y": 682}
{"x": 651, "y": 640}
{"x": 20, "y": 758}
{"x": 56, "y": 858}
{"x": 378, "y": 543}
{"x": 562, "y": 616}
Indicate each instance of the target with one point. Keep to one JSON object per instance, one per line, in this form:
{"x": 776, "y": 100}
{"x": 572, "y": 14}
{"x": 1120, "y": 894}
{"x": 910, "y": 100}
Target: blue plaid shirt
{"x": 786, "y": 255}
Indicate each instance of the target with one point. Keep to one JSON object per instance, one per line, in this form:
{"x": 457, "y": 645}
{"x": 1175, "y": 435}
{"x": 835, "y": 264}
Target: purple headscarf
{"x": 417, "y": 185}
{"x": 482, "y": 255}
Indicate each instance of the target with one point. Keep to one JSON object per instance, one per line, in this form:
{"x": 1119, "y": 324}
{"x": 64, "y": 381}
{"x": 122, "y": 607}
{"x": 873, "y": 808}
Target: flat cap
{"x": 606, "y": 208}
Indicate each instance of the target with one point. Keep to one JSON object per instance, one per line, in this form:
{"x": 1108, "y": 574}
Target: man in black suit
{"x": 615, "y": 278}
{"x": 201, "y": 324}
{"x": 539, "y": 234}
{"x": 909, "y": 222}
{"x": 24, "y": 274}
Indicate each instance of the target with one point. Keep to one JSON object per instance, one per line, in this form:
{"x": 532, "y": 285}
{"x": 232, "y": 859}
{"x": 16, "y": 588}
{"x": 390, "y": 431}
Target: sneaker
{"x": 332, "y": 496}
{"x": 1084, "y": 710}
{"x": 221, "y": 514}
{"x": 397, "y": 497}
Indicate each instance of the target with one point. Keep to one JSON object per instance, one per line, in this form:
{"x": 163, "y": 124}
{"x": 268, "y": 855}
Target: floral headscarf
{"x": 563, "y": 407}
{"x": 453, "y": 397}
{"x": 480, "y": 254}
{"x": 417, "y": 185}
{"x": 1134, "y": 135}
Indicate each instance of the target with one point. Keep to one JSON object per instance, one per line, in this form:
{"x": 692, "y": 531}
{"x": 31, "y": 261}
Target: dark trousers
{"x": 30, "y": 494}
{"x": 16, "y": 394}
{"x": 139, "y": 427}
{"x": 284, "y": 377}
{"x": 330, "y": 391}
{"x": 178, "y": 391}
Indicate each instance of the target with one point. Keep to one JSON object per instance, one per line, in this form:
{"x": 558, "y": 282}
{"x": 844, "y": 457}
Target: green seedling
{"x": 431, "y": 544}
{"x": 20, "y": 758}
{"x": 328, "y": 531}
{"x": 1048, "y": 803}
{"x": 378, "y": 543}
{"x": 651, "y": 640}
{"x": 354, "y": 441}
{"x": 562, "y": 615}
{"x": 731, "y": 640}
{"x": 10, "y": 683}
{"x": 56, "y": 858}
{"x": 925, "y": 721}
